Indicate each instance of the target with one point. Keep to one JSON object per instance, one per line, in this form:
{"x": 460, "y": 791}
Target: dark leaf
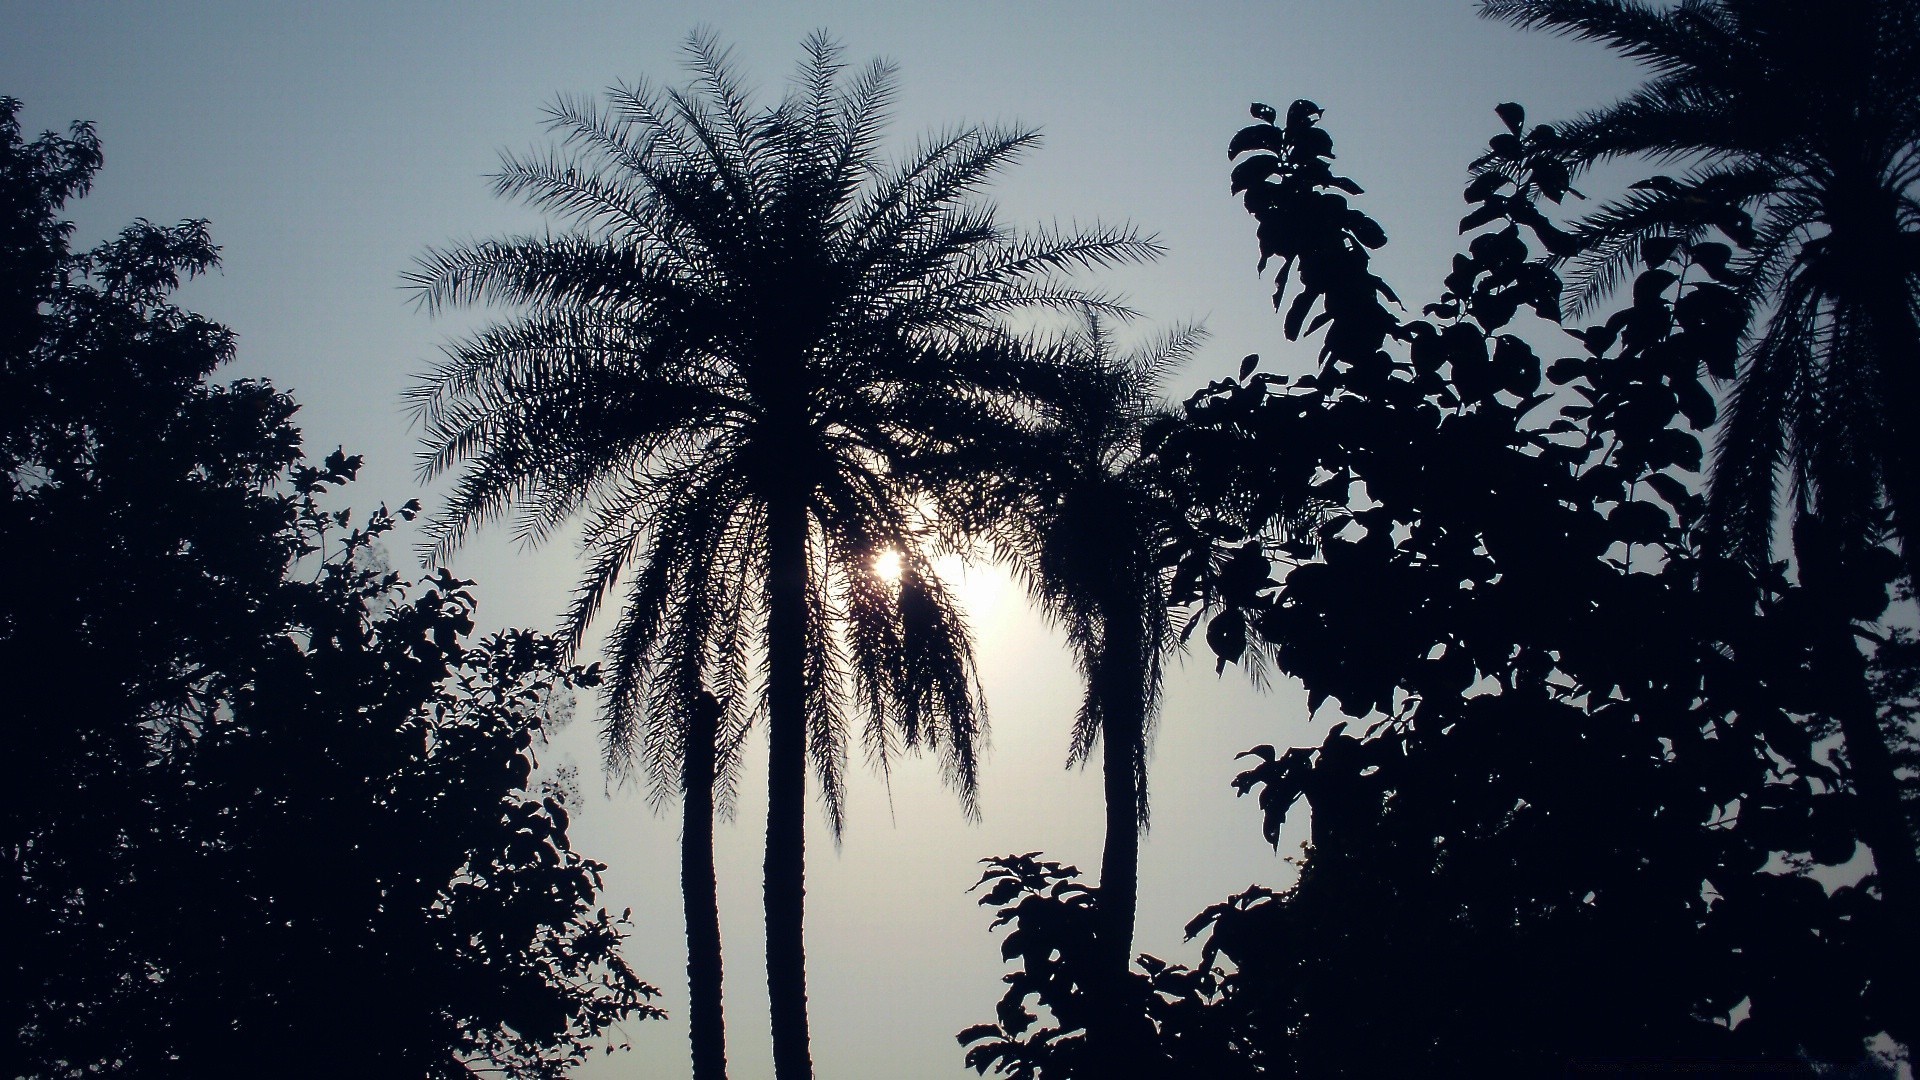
{"x": 1656, "y": 251}
{"x": 1254, "y": 170}
{"x": 1257, "y": 137}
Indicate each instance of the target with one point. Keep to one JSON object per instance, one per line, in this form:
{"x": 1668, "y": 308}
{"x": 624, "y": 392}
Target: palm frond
{"x": 1681, "y": 37}
{"x": 1610, "y": 237}
{"x": 826, "y": 676}
{"x": 919, "y": 195}
{"x": 1755, "y": 446}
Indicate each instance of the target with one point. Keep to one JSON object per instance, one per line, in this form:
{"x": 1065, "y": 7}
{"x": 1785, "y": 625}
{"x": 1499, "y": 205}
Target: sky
{"x": 331, "y": 144}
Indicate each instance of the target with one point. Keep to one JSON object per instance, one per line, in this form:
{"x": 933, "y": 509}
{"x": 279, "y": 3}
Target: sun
{"x": 979, "y": 589}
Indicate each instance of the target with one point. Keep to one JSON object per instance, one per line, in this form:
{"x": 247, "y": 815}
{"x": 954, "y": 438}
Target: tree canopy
{"x": 267, "y": 795}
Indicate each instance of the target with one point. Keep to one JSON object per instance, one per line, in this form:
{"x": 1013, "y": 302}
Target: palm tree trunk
{"x": 785, "y": 869}
{"x": 1843, "y": 667}
{"x": 1872, "y": 260}
{"x": 1122, "y": 1041}
{"x": 700, "y": 897}
{"x": 1896, "y": 849}
{"x": 1880, "y": 260}
{"x": 1120, "y": 859}
{"x": 1883, "y": 827}
{"x": 1901, "y": 458}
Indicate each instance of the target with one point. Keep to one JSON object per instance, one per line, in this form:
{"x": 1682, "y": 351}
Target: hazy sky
{"x": 330, "y": 143}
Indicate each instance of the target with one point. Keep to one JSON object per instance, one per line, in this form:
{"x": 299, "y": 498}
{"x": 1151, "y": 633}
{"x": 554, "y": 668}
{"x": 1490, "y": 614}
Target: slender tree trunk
{"x": 706, "y": 1021}
{"x": 1900, "y": 472}
{"x": 1871, "y": 254}
{"x": 1843, "y": 667}
{"x": 785, "y": 881}
{"x": 1122, "y": 1038}
{"x": 1878, "y": 258}
{"x": 1120, "y": 858}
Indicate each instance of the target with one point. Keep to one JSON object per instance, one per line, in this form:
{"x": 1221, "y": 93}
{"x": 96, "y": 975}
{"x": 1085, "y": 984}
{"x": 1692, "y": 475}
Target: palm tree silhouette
{"x": 1072, "y": 505}
{"x": 1808, "y": 117}
{"x": 728, "y": 369}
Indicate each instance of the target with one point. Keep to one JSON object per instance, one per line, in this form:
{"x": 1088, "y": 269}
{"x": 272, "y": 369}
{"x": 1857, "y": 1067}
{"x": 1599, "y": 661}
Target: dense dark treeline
{"x": 265, "y": 796}
{"x": 1804, "y": 128}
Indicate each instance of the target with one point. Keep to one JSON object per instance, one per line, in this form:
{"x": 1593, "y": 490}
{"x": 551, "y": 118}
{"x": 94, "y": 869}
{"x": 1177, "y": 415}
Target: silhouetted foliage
{"x": 1801, "y": 127}
{"x": 1801, "y": 124}
{"x": 1589, "y": 766}
{"x": 266, "y": 798}
{"x": 1054, "y": 929}
{"x": 727, "y": 371}
{"x": 1896, "y": 677}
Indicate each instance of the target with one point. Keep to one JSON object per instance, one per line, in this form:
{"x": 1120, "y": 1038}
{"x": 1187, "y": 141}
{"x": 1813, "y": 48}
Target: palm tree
{"x": 727, "y": 369}
{"x": 1072, "y": 506}
{"x": 1808, "y": 116}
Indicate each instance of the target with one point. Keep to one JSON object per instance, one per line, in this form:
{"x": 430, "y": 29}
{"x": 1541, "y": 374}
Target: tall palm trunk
{"x": 1871, "y": 254}
{"x": 706, "y": 1021}
{"x": 1120, "y": 859}
{"x": 1841, "y": 666}
{"x": 1122, "y": 1043}
{"x": 1871, "y": 260}
{"x": 1896, "y": 848}
{"x": 1896, "y": 335}
{"x": 785, "y": 869}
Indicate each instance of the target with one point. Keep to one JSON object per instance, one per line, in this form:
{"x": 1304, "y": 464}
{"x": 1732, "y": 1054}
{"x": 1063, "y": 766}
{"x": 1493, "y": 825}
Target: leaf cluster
{"x": 1041, "y": 1022}
{"x": 1588, "y": 741}
{"x": 1799, "y": 131}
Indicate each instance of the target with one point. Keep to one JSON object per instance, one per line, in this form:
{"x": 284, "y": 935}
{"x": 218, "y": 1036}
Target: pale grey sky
{"x": 330, "y": 143}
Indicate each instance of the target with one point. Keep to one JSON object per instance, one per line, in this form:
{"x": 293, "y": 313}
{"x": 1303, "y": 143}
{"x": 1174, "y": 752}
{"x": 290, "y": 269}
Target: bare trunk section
{"x": 1843, "y": 667}
{"x": 700, "y": 897}
{"x": 1122, "y": 1042}
{"x": 785, "y": 869}
{"x": 1120, "y": 858}
{"x": 1870, "y": 256}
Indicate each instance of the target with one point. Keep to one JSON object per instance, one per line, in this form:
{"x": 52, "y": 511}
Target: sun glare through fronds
{"x": 977, "y": 588}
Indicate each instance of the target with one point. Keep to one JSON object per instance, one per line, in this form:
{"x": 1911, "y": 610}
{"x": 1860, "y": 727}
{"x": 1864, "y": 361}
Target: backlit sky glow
{"x": 329, "y": 144}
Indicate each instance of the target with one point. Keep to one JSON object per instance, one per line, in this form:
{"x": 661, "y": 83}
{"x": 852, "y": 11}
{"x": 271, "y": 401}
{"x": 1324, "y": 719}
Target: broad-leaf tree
{"x": 266, "y": 795}
{"x": 725, "y": 369}
{"x": 1802, "y": 126}
{"x": 1585, "y": 731}
{"x": 1807, "y": 120}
